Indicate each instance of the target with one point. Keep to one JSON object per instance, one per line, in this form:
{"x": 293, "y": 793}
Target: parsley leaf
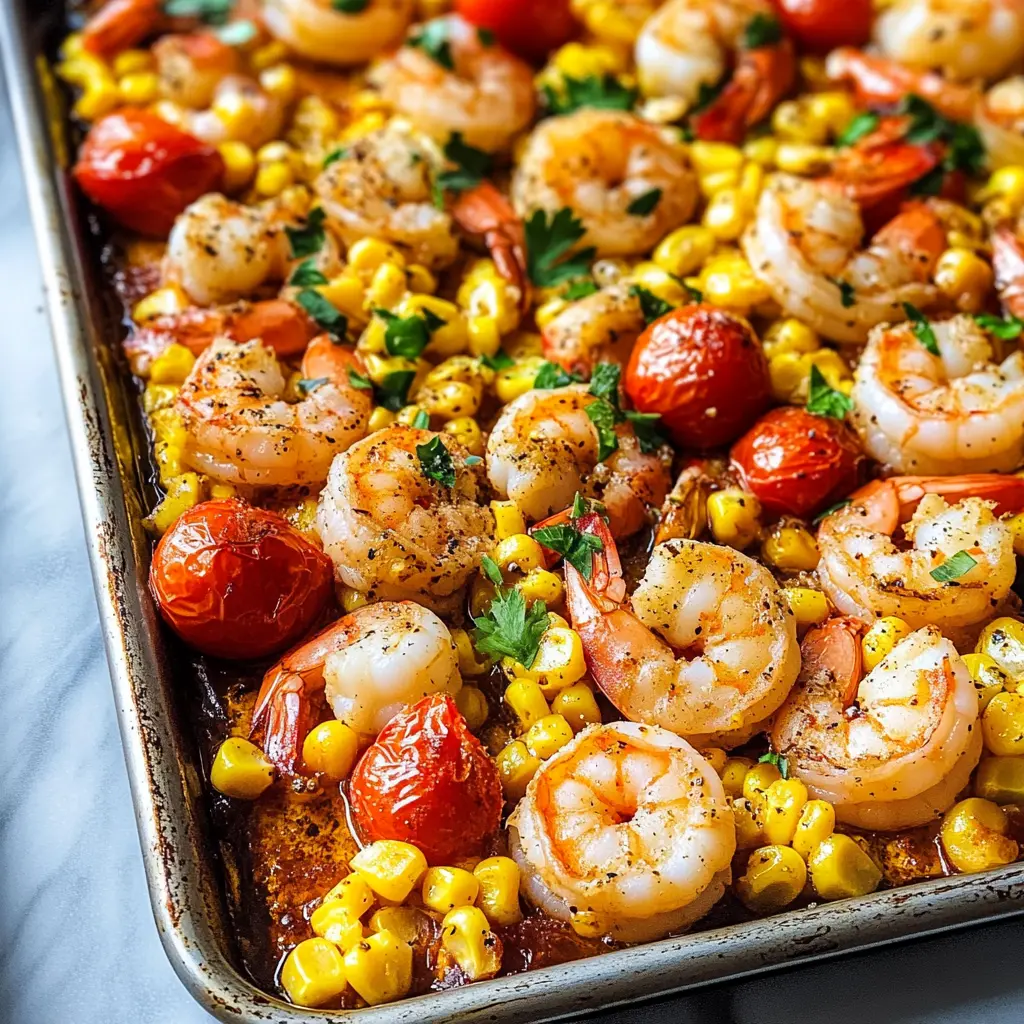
{"x": 652, "y": 306}
{"x": 471, "y": 165}
{"x": 576, "y": 547}
{"x": 929, "y": 184}
{"x": 307, "y": 386}
{"x": 326, "y": 315}
{"x": 408, "y": 336}
{"x": 492, "y": 571}
{"x": 335, "y": 155}
{"x": 501, "y": 360}
{"x": 210, "y": 12}
{"x": 823, "y": 400}
{"x": 305, "y": 275}
{"x": 394, "y": 389}
{"x": 696, "y": 295}
{"x": 436, "y": 462}
{"x": 863, "y": 124}
{"x": 778, "y": 760}
{"x": 605, "y": 93}
{"x": 922, "y": 328}
{"x": 762, "y": 30}
{"x": 509, "y": 629}
{"x": 357, "y": 380}
{"x": 604, "y": 416}
{"x": 847, "y": 294}
{"x": 953, "y": 568}
{"x": 421, "y": 421}
{"x": 1004, "y": 329}
{"x": 551, "y": 375}
{"x": 580, "y": 289}
{"x": 604, "y": 382}
{"x": 828, "y": 511}
{"x": 433, "y": 40}
{"x": 350, "y": 6}
{"x": 548, "y": 262}
{"x": 706, "y": 95}
{"x": 645, "y": 204}
{"x": 647, "y": 427}
{"x": 966, "y": 152}
{"x": 309, "y": 239}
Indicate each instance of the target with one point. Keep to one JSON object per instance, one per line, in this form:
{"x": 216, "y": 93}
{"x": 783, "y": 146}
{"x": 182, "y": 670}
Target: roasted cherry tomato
{"x": 428, "y": 781}
{"x": 531, "y": 28}
{"x": 824, "y": 24}
{"x": 796, "y": 462}
{"x": 238, "y": 582}
{"x": 144, "y": 171}
{"x": 704, "y": 371}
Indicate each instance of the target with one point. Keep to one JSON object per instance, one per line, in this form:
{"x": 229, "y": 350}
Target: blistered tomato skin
{"x": 704, "y": 371}
{"x": 797, "y": 463}
{"x": 427, "y": 780}
{"x": 239, "y": 582}
{"x": 530, "y": 28}
{"x": 822, "y": 25}
{"x": 144, "y": 171}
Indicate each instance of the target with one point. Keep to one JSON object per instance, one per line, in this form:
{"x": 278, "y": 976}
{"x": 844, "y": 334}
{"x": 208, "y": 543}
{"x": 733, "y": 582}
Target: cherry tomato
{"x": 822, "y": 25}
{"x": 704, "y": 371}
{"x": 144, "y": 171}
{"x": 428, "y": 781}
{"x": 238, "y": 582}
{"x": 797, "y": 462}
{"x": 531, "y": 28}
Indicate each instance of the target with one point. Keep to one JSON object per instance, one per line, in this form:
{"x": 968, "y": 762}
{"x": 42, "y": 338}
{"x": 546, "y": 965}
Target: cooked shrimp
{"x": 955, "y": 412}
{"x": 599, "y": 162}
{"x": 804, "y": 244}
{"x": 120, "y": 24}
{"x": 381, "y": 188}
{"x": 888, "y": 750}
{"x": 1000, "y": 120}
{"x": 365, "y": 667}
{"x": 485, "y": 94}
{"x": 394, "y": 532}
{"x": 544, "y": 448}
{"x": 720, "y": 609}
{"x": 192, "y": 65}
{"x": 320, "y": 31}
{"x": 241, "y": 430}
{"x": 627, "y": 826}
{"x": 1008, "y": 263}
{"x": 868, "y": 575}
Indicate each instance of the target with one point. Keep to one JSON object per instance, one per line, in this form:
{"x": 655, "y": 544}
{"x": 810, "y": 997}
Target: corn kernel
{"x": 831, "y": 364}
{"x": 726, "y": 215}
{"x": 790, "y": 335}
{"x": 386, "y": 287}
{"x": 483, "y": 336}
{"x": 578, "y": 706}
{"x": 405, "y": 923}
{"x": 158, "y": 397}
{"x": 1006, "y": 183}
{"x": 733, "y": 774}
{"x": 334, "y": 922}
{"x": 368, "y": 255}
{"x": 351, "y": 599}
{"x": 749, "y": 833}
{"x": 840, "y": 868}
{"x": 1002, "y": 724}
{"x": 139, "y": 88}
{"x": 445, "y": 888}
{"x": 279, "y": 81}
{"x": 716, "y": 757}
{"x": 734, "y": 516}
{"x": 809, "y": 607}
{"x": 1016, "y": 525}
{"x": 709, "y": 157}
{"x": 331, "y": 748}
{"x": 313, "y": 973}
{"x": 727, "y": 280}
{"x": 546, "y": 737}
{"x": 964, "y": 278}
{"x": 803, "y": 158}
{"x": 267, "y": 55}
{"x": 453, "y": 400}
{"x": 794, "y": 122}
{"x": 98, "y": 98}
{"x": 783, "y": 804}
{"x": 516, "y": 766}
{"x": 466, "y": 935}
{"x": 240, "y": 769}
{"x": 499, "y": 890}
{"x": 762, "y": 151}
{"x": 1003, "y": 640}
{"x": 1000, "y": 779}
{"x": 130, "y": 62}
{"x": 447, "y": 340}
{"x": 510, "y": 383}
{"x": 816, "y": 823}
{"x": 541, "y": 585}
{"x": 239, "y": 165}
{"x": 353, "y": 894}
{"x": 380, "y": 968}
{"x": 183, "y": 493}
{"x": 390, "y": 868}
{"x": 757, "y": 780}
{"x": 508, "y": 520}
{"x": 467, "y": 432}
{"x": 791, "y": 548}
{"x": 988, "y": 678}
{"x": 526, "y": 699}
{"x": 685, "y": 250}
{"x": 380, "y": 418}
{"x": 881, "y": 638}
{"x": 833, "y": 109}
{"x": 974, "y": 836}
{"x": 519, "y": 552}
{"x": 481, "y": 594}
{"x": 420, "y": 279}
{"x": 160, "y": 303}
{"x": 472, "y": 705}
{"x": 273, "y": 179}
{"x": 470, "y": 662}
{"x": 559, "y": 662}
{"x": 775, "y": 876}
{"x": 172, "y": 366}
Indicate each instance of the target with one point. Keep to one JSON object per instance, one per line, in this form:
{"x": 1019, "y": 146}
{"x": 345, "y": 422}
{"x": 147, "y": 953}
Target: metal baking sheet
{"x": 184, "y": 878}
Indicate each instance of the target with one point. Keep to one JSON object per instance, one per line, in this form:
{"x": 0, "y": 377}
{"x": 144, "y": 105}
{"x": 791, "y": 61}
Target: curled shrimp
{"x": 1008, "y": 264}
{"x": 120, "y": 24}
{"x": 953, "y": 412}
{"x": 544, "y": 448}
{"x": 598, "y": 163}
{"x": 394, "y": 532}
{"x": 1000, "y": 121}
{"x": 629, "y": 828}
{"x": 805, "y": 245}
{"x": 240, "y": 429}
{"x": 486, "y": 94}
{"x": 890, "y": 749}
{"x": 688, "y": 46}
{"x": 867, "y": 574}
{"x": 365, "y": 667}
{"x": 720, "y": 609}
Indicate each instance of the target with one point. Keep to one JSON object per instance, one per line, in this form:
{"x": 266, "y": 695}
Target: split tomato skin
{"x": 529, "y": 28}
{"x": 822, "y": 25}
{"x": 797, "y": 463}
{"x": 144, "y": 171}
{"x": 239, "y": 582}
{"x": 704, "y": 371}
{"x": 427, "y": 780}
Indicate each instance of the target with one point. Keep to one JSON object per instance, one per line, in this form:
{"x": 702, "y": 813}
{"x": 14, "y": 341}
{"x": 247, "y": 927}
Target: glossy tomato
{"x": 144, "y": 171}
{"x": 822, "y": 25}
{"x": 704, "y": 371}
{"x": 531, "y": 28}
{"x": 797, "y": 462}
{"x": 238, "y": 582}
{"x": 428, "y": 781}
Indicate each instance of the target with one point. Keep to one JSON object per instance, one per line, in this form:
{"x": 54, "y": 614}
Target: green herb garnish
{"x": 408, "y": 336}
{"x": 501, "y": 360}
{"x": 921, "y": 328}
{"x": 1005, "y": 329}
{"x": 309, "y": 239}
{"x": 847, "y": 293}
{"x": 509, "y": 629}
{"x": 604, "y": 416}
{"x": 471, "y": 165}
{"x": 646, "y": 204}
{"x": 433, "y": 40}
{"x": 305, "y": 275}
{"x": 762, "y": 30}
{"x": 306, "y": 386}
{"x": 551, "y": 375}
{"x": 210, "y": 12}
{"x": 647, "y": 427}
{"x": 327, "y": 316}
{"x": 605, "y": 93}
{"x": 421, "y": 421}
{"x": 652, "y": 306}
{"x": 548, "y": 242}
{"x": 828, "y": 511}
{"x": 778, "y": 760}
{"x": 393, "y": 391}
{"x": 236, "y": 33}
{"x": 576, "y": 547}
{"x": 357, "y": 380}
{"x": 350, "y": 6}
{"x": 492, "y": 571}
{"x": 604, "y": 382}
{"x": 953, "y": 568}
{"x": 436, "y": 462}
{"x": 335, "y": 155}
{"x": 823, "y": 400}
{"x": 862, "y": 125}
{"x": 580, "y": 289}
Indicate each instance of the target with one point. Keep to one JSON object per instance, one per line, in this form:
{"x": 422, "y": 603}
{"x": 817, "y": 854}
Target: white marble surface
{"x": 77, "y": 941}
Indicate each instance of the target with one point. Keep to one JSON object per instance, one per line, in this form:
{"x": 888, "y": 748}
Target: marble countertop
{"x": 77, "y": 940}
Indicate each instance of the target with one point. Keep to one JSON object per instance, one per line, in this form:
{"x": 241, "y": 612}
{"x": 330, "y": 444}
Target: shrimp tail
{"x": 1008, "y": 263}
{"x": 287, "y": 707}
{"x": 121, "y": 24}
{"x": 834, "y": 649}
{"x": 893, "y": 501}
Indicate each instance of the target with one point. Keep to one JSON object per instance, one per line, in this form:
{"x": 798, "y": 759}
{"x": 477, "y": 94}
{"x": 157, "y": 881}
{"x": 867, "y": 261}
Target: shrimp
{"x": 1000, "y": 121}
{"x": 891, "y": 749}
{"x": 240, "y": 429}
{"x": 393, "y": 531}
{"x": 628, "y": 827}
{"x": 687, "y": 46}
{"x": 484, "y": 93}
{"x": 365, "y": 667}
{"x": 598, "y": 163}
{"x": 120, "y": 24}
{"x": 191, "y": 66}
{"x": 381, "y": 187}
{"x": 868, "y": 575}
{"x": 544, "y": 448}
{"x": 320, "y": 31}
{"x": 720, "y": 609}
{"x": 804, "y": 245}
{"x": 1008, "y": 264}
{"x": 955, "y": 412}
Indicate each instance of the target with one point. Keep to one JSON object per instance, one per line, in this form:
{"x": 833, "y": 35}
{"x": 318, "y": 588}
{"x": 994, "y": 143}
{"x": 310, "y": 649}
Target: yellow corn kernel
{"x": 467, "y": 936}
{"x": 386, "y": 287}
{"x": 716, "y": 757}
{"x": 541, "y": 585}
{"x": 801, "y": 158}
{"x": 578, "y": 706}
{"x": 516, "y": 766}
{"x": 239, "y": 165}
{"x": 734, "y": 772}
{"x": 1002, "y": 724}
{"x": 139, "y": 88}
{"x": 1003, "y": 640}
{"x": 734, "y": 517}
{"x": 240, "y": 769}
{"x": 559, "y": 662}
{"x": 1016, "y": 525}
{"x": 380, "y": 968}
{"x": 510, "y": 383}
{"x": 380, "y": 418}
{"x": 131, "y": 62}
{"x": 831, "y": 364}
{"x": 546, "y": 737}
{"x": 280, "y": 81}
{"x": 409, "y": 414}
{"x": 974, "y": 836}
{"x": 791, "y": 548}
{"x": 353, "y": 894}
{"x": 684, "y": 251}
{"x": 350, "y": 599}
{"x": 794, "y": 122}
{"x": 727, "y": 280}
{"x": 406, "y": 923}
{"x": 783, "y": 804}
{"x": 273, "y": 179}
{"x": 834, "y": 109}
{"x": 314, "y": 973}
{"x": 99, "y": 97}
{"x": 526, "y": 699}
{"x": 508, "y": 520}
{"x": 809, "y": 607}
{"x": 368, "y": 255}
{"x": 331, "y": 748}
{"x": 757, "y": 780}
{"x": 964, "y": 278}
{"x": 816, "y": 823}
{"x": 347, "y": 293}
{"x": 172, "y": 366}
{"x": 162, "y": 302}
{"x": 710, "y": 157}
{"x": 881, "y": 638}
{"x": 445, "y": 888}
{"x": 519, "y": 552}
{"x": 159, "y": 397}
{"x": 762, "y": 151}
{"x": 467, "y": 432}
{"x": 390, "y": 868}
{"x": 840, "y": 868}
{"x": 788, "y": 373}
{"x": 267, "y": 55}
{"x": 790, "y": 335}
{"x": 775, "y": 876}
{"x": 334, "y": 922}
{"x": 1000, "y": 779}
{"x": 726, "y": 215}
{"x": 168, "y": 459}
{"x": 378, "y": 368}
{"x": 749, "y": 833}
{"x": 499, "y": 890}
{"x": 550, "y": 310}
{"x": 449, "y": 339}
{"x": 472, "y": 705}
{"x": 470, "y": 663}
{"x": 454, "y": 400}
{"x": 481, "y": 594}
{"x": 183, "y": 492}
{"x": 659, "y": 282}
{"x": 988, "y": 678}
{"x": 1006, "y": 183}
{"x": 483, "y": 336}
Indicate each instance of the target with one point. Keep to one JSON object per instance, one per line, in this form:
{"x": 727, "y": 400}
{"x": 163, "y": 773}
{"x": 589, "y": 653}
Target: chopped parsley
{"x": 965, "y": 150}
{"x": 604, "y": 382}
{"x": 335, "y": 155}
{"x": 652, "y": 306}
{"x": 309, "y": 239}
{"x": 646, "y": 204}
{"x": 548, "y": 261}
{"x": 762, "y": 30}
{"x": 408, "y": 336}
{"x": 307, "y": 386}
{"x": 580, "y": 289}
{"x": 394, "y": 389}
{"x": 575, "y": 546}
{"x": 305, "y": 275}
{"x": 436, "y": 462}
{"x": 862, "y": 125}
{"x": 921, "y": 328}
{"x": 327, "y": 316}
{"x": 501, "y": 360}
{"x": 706, "y": 95}
{"x": 350, "y": 6}
{"x": 828, "y": 511}
{"x": 509, "y": 629}
{"x": 421, "y": 421}
{"x": 210, "y": 12}
{"x": 929, "y": 184}
{"x": 647, "y": 427}
{"x": 357, "y": 380}
{"x": 471, "y": 165}
{"x": 778, "y": 760}
{"x": 953, "y": 568}
{"x": 823, "y": 400}
{"x": 551, "y": 375}
{"x": 492, "y": 571}
{"x": 582, "y": 506}
{"x": 433, "y": 40}
{"x": 1005, "y": 329}
{"x": 605, "y": 92}
{"x": 696, "y": 295}
{"x": 847, "y": 294}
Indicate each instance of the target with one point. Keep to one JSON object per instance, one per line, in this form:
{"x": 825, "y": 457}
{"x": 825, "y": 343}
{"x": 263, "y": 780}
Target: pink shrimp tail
{"x": 1008, "y": 263}
{"x": 284, "y": 713}
{"x": 893, "y": 501}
